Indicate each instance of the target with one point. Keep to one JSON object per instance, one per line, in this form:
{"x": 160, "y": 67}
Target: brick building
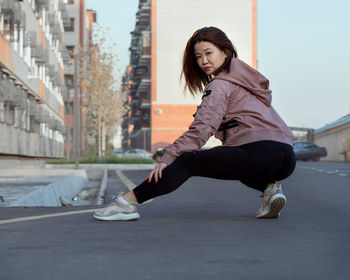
{"x": 159, "y": 110}
{"x": 77, "y": 34}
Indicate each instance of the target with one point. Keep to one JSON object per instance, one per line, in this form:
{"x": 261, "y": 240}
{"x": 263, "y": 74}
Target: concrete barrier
{"x": 63, "y": 188}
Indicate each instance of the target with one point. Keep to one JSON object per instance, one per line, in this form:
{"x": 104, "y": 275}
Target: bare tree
{"x": 104, "y": 104}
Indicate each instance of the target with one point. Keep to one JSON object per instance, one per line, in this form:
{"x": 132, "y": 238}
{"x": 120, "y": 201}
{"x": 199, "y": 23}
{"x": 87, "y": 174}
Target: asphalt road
{"x": 204, "y": 230}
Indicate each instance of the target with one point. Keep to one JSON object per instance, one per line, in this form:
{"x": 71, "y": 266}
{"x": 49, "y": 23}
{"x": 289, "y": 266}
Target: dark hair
{"x": 195, "y": 78}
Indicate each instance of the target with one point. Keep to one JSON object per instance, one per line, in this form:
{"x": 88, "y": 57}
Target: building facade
{"x": 159, "y": 109}
{"x": 137, "y": 82}
{"x": 76, "y": 39}
{"x": 336, "y": 138}
{"x": 32, "y": 57}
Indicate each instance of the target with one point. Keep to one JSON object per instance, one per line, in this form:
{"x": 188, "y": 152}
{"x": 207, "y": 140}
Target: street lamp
{"x": 144, "y": 129}
{"x": 76, "y": 111}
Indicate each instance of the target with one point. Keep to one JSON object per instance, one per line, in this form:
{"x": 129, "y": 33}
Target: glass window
{"x": 69, "y": 81}
{"x": 68, "y": 108}
{"x": 70, "y": 27}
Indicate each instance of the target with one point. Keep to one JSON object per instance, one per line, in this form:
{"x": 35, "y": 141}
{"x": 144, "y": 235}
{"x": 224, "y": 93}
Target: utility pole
{"x": 76, "y": 111}
{"x": 69, "y": 113}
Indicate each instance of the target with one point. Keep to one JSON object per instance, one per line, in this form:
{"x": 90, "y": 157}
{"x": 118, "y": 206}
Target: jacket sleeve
{"x": 207, "y": 120}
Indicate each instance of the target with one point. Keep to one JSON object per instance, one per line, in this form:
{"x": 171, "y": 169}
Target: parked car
{"x": 157, "y": 156}
{"x": 119, "y": 152}
{"x": 308, "y": 151}
{"x": 137, "y": 153}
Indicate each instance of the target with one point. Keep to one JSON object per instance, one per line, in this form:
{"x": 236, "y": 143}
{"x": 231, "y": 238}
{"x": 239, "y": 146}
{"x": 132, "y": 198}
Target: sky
{"x": 303, "y": 50}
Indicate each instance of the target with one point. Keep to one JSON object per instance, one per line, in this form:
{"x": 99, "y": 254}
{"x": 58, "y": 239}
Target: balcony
{"x": 41, "y": 56}
{"x": 145, "y": 59}
{"x": 145, "y": 119}
{"x": 8, "y": 6}
{"x": 56, "y": 32}
{"x": 13, "y": 94}
{"x": 145, "y": 104}
{"x": 141, "y": 71}
{"x": 65, "y": 55}
{"x": 33, "y": 107}
{"x": 134, "y": 104}
{"x": 64, "y": 93}
{"x": 144, "y": 85}
{"x": 142, "y": 22}
{"x": 30, "y": 39}
{"x": 146, "y": 51}
{"x": 134, "y": 120}
{"x": 51, "y": 71}
{"x": 43, "y": 4}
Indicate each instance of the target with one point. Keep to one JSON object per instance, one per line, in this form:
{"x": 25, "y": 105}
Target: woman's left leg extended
{"x": 254, "y": 163}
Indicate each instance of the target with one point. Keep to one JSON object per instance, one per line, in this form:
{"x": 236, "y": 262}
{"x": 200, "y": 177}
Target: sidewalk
{"x": 39, "y": 186}
{"x": 53, "y": 185}
{"x": 115, "y": 166}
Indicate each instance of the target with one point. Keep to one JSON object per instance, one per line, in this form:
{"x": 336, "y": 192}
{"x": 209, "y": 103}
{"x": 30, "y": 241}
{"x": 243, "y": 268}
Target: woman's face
{"x": 209, "y": 57}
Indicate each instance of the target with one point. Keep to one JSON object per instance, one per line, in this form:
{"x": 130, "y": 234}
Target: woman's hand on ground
{"x": 157, "y": 172}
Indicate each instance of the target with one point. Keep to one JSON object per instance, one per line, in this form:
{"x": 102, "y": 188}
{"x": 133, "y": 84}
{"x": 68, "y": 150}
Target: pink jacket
{"x": 243, "y": 95}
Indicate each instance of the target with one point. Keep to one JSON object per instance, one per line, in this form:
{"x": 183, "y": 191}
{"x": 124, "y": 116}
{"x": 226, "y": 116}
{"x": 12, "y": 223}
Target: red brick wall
{"x": 174, "y": 120}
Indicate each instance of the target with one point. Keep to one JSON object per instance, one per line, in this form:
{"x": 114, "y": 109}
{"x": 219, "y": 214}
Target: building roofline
{"x": 333, "y": 124}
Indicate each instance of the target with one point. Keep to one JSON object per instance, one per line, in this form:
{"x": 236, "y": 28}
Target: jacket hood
{"x": 247, "y": 77}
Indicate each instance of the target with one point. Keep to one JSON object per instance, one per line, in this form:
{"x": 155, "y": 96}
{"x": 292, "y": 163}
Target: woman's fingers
{"x": 150, "y": 176}
{"x": 161, "y": 166}
{"x": 157, "y": 172}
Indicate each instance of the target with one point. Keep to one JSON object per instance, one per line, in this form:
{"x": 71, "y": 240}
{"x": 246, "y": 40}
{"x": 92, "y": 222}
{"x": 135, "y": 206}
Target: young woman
{"x": 236, "y": 108}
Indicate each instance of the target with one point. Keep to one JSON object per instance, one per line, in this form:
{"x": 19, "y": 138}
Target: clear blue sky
{"x": 303, "y": 50}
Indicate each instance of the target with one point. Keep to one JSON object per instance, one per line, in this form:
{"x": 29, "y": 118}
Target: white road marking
{"x": 128, "y": 183}
{"x": 31, "y": 218}
{"x": 328, "y": 171}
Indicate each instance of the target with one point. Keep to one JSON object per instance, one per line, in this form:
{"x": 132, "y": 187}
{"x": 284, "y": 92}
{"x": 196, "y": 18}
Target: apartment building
{"x": 159, "y": 109}
{"x": 32, "y": 58}
{"x": 76, "y": 38}
{"x": 137, "y": 81}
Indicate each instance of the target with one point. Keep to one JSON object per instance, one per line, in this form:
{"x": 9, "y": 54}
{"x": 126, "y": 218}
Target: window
{"x": 69, "y": 81}
{"x": 71, "y": 50}
{"x": 70, "y": 27}
{"x": 68, "y": 108}
{"x": 297, "y": 146}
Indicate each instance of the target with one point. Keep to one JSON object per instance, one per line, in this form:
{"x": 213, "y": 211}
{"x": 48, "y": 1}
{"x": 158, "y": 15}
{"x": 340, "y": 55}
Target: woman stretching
{"x": 236, "y": 108}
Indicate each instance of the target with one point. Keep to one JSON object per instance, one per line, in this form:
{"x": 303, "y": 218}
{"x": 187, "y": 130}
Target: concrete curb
{"x": 119, "y": 166}
{"x": 64, "y": 187}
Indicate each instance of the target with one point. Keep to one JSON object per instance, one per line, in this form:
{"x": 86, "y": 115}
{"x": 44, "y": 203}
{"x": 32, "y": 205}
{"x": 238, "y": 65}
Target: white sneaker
{"x": 117, "y": 211}
{"x": 273, "y": 200}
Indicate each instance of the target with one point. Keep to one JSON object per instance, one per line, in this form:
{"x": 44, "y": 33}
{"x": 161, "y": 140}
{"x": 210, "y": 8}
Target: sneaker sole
{"x": 119, "y": 217}
{"x": 275, "y": 208}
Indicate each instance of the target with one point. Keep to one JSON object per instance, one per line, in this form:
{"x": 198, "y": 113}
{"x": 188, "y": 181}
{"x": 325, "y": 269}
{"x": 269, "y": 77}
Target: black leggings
{"x": 255, "y": 165}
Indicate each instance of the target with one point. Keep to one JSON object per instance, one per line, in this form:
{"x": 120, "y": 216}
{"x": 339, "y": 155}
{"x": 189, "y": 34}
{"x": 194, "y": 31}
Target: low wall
{"x": 62, "y": 189}
{"x": 15, "y": 141}
{"x": 333, "y": 138}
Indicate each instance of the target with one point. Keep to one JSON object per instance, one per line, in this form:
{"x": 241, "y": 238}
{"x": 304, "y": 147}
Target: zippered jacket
{"x": 241, "y": 95}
